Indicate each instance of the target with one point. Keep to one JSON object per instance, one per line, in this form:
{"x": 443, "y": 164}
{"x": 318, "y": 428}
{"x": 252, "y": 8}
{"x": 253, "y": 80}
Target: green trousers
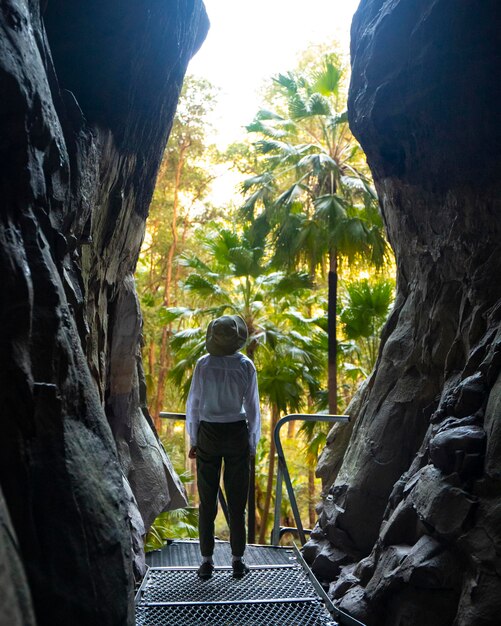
{"x": 215, "y": 443}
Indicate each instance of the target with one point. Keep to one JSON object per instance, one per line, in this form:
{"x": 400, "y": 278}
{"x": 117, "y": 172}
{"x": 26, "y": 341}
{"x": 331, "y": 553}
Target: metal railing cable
{"x": 283, "y": 474}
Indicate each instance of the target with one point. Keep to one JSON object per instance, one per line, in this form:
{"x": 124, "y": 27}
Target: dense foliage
{"x": 301, "y": 256}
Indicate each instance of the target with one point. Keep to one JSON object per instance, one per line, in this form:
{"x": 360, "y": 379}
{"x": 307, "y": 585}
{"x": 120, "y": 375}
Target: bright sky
{"x": 249, "y": 42}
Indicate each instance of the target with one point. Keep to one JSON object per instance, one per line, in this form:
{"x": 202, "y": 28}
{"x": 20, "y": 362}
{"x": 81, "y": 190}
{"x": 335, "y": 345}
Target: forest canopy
{"x": 300, "y": 253}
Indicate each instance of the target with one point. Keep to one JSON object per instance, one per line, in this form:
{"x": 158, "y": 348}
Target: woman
{"x": 224, "y": 423}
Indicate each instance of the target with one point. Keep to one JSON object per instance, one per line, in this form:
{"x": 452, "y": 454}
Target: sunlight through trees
{"x": 300, "y": 254}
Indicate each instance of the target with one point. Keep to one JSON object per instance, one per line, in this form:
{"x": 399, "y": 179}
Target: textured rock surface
{"x": 15, "y": 598}
{"x": 418, "y": 492}
{"x": 88, "y": 96}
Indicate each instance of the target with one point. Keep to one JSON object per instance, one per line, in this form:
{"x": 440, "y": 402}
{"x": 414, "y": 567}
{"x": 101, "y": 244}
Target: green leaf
{"x": 201, "y": 286}
{"x": 242, "y": 259}
{"x": 327, "y": 81}
{"x": 265, "y": 114}
{"x": 261, "y": 180}
{"x": 148, "y": 300}
{"x": 318, "y": 163}
{"x": 298, "y": 108}
{"x": 265, "y": 146}
{"x": 287, "y": 81}
{"x": 331, "y": 207}
{"x": 168, "y": 315}
{"x": 290, "y": 195}
{"x": 318, "y": 105}
{"x": 292, "y": 283}
{"x": 337, "y": 120}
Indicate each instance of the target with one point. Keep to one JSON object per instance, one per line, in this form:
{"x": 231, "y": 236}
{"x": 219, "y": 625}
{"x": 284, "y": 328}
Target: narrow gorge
{"x": 409, "y": 531}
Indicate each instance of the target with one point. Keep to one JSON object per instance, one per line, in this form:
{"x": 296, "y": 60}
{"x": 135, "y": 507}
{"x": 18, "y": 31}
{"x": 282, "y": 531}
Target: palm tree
{"x": 365, "y": 308}
{"x": 312, "y": 193}
{"x": 236, "y": 279}
{"x": 280, "y": 384}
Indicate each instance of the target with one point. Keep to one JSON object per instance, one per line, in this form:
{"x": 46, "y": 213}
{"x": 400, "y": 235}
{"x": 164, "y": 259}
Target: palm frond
{"x": 327, "y": 81}
{"x": 243, "y": 260}
{"x": 193, "y": 262}
{"x": 318, "y": 163}
{"x": 299, "y": 319}
{"x": 298, "y": 108}
{"x": 337, "y": 120}
{"x": 319, "y": 105}
{"x": 350, "y": 236}
{"x": 201, "y": 286}
{"x": 270, "y": 128}
{"x": 286, "y": 284}
{"x": 290, "y": 195}
{"x": 380, "y": 251}
{"x": 219, "y": 243}
{"x": 260, "y": 180}
{"x": 261, "y": 195}
{"x": 265, "y": 114}
{"x": 257, "y": 232}
{"x": 331, "y": 207}
{"x": 365, "y": 307}
{"x": 288, "y": 82}
{"x": 265, "y": 146}
{"x": 167, "y": 315}
{"x": 354, "y": 182}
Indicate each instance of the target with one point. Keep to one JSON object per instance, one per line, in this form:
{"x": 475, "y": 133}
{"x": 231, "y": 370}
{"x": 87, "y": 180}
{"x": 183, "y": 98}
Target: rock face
{"x": 89, "y": 91}
{"x": 416, "y": 505}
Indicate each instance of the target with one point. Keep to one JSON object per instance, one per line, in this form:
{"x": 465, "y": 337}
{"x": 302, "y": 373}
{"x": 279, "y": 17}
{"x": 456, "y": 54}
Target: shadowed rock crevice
{"x": 410, "y": 525}
{"x": 88, "y": 95}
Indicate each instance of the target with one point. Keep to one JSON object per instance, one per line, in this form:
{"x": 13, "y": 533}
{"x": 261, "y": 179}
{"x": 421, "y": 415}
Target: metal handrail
{"x": 344, "y": 619}
{"x": 283, "y": 471}
{"x": 222, "y": 500}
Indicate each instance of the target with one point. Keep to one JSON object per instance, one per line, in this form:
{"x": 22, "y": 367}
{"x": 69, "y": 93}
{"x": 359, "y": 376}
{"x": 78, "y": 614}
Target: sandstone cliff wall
{"x": 410, "y": 532}
{"x": 88, "y": 93}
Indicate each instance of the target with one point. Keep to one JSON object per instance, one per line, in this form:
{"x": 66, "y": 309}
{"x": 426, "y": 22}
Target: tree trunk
{"x": 251, "y": 498}
{"x": 164, "y": 360}
{"x": 177, "y": 276}
{"x": 275, "y": 414}
{"x": 167, "y": 330}
{"x": 151, "y": 369}
{"x": 332, "y": 332}
{"x": 312, "y": 499}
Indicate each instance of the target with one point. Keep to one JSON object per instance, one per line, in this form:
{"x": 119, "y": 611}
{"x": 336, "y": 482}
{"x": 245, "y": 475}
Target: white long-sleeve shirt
{"x": 224, "y": 389}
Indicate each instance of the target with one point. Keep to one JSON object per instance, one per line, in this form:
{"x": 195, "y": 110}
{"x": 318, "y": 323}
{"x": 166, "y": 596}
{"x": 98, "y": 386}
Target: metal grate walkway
{"x": 279, "y": 589}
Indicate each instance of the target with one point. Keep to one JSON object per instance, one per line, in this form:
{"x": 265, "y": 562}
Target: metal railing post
{"x": 283, "y": 471}
{"x": 275, "y": 533}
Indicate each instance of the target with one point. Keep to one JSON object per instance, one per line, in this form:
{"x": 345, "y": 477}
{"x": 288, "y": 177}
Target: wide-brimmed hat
{"x": 226, "y": 335}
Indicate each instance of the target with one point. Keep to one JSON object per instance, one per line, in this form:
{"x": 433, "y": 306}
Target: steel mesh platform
{"x": 279, "y": 590}
{"x": 310, "y": 613}
{"x": 262, "y": 584}
{"x": 183, "y": 552}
